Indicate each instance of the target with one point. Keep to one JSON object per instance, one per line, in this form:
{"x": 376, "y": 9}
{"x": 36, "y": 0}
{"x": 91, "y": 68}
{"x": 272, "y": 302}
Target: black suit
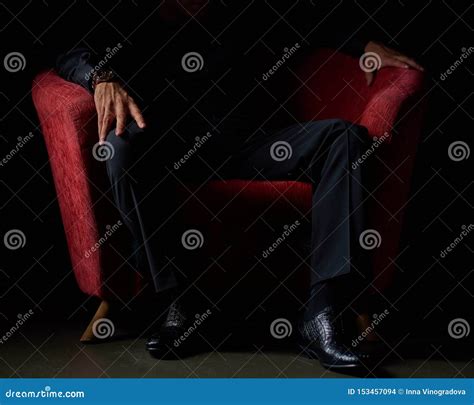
{"x": 228, "y": 104}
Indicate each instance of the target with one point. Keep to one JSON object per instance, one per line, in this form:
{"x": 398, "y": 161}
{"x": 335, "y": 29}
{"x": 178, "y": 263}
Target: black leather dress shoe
{"x": 172, "y": 341}
{"x": 320, "y": 338}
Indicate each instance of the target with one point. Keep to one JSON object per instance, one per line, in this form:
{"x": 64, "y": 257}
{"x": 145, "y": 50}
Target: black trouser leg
{"x": 322, "y": 153}
{"x": 319, "y": 152}
{"x": 133, "y": 173}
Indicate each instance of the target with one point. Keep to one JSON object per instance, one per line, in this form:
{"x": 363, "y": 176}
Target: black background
{"x": 434, "y": 290}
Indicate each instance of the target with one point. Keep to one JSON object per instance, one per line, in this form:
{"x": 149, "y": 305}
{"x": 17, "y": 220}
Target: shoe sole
{"x": 167, "y": 353}
{"x": 311, "y": 354}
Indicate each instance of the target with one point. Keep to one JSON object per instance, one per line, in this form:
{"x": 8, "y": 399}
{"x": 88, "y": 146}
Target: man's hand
{"x": 113, "y": 103}
{"x": 388, "y": 57}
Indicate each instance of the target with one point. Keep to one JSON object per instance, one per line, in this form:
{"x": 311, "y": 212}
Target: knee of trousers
{"x": 353, "y": 135}
{"x": 342, "y": 135}
{"x": 122, "y": 151}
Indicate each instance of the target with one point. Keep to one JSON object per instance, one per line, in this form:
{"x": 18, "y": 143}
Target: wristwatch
{"x": 102, "y": 76}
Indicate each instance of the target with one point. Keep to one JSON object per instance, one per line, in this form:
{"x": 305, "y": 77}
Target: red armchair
{"x": 326, "y": 85}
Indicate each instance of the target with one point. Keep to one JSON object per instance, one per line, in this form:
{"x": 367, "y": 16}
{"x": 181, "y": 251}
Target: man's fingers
{"x": 369, "y": 76}
{"x": 121, "y": 117}
{"x": 389, "y": 61}
{"x": 410, "y": 62}
{"x": 107, "y": 120}
{"x": 136, "y": 114}
{"x": 99, "y": 123}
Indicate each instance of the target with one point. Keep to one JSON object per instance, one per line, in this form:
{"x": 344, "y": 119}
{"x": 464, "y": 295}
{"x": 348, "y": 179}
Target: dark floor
{"x": 53, "y": 350}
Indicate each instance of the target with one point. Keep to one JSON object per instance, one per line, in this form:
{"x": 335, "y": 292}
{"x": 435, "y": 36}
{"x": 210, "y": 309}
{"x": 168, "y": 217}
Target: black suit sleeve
{"x": 77, "y": 66}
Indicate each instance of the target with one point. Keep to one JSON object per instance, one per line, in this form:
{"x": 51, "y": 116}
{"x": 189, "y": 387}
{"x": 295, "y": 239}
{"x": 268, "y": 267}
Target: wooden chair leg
{"x": 97, "y": 330}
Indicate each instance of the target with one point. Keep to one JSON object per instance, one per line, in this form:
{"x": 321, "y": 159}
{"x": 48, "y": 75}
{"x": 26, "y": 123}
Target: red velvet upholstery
{"x": 235, "y": 213}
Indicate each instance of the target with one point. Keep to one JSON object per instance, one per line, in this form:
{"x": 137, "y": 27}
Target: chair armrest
{"x": 394, "y": 93}
{"x": 67, "y": 116}
{"x": 53, "y": 95}
{"x": 332, "y": 85}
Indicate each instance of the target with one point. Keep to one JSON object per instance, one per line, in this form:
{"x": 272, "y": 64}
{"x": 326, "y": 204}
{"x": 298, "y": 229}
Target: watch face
{"x": 102, "y": 76}
{"x": 106, "y": 75}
